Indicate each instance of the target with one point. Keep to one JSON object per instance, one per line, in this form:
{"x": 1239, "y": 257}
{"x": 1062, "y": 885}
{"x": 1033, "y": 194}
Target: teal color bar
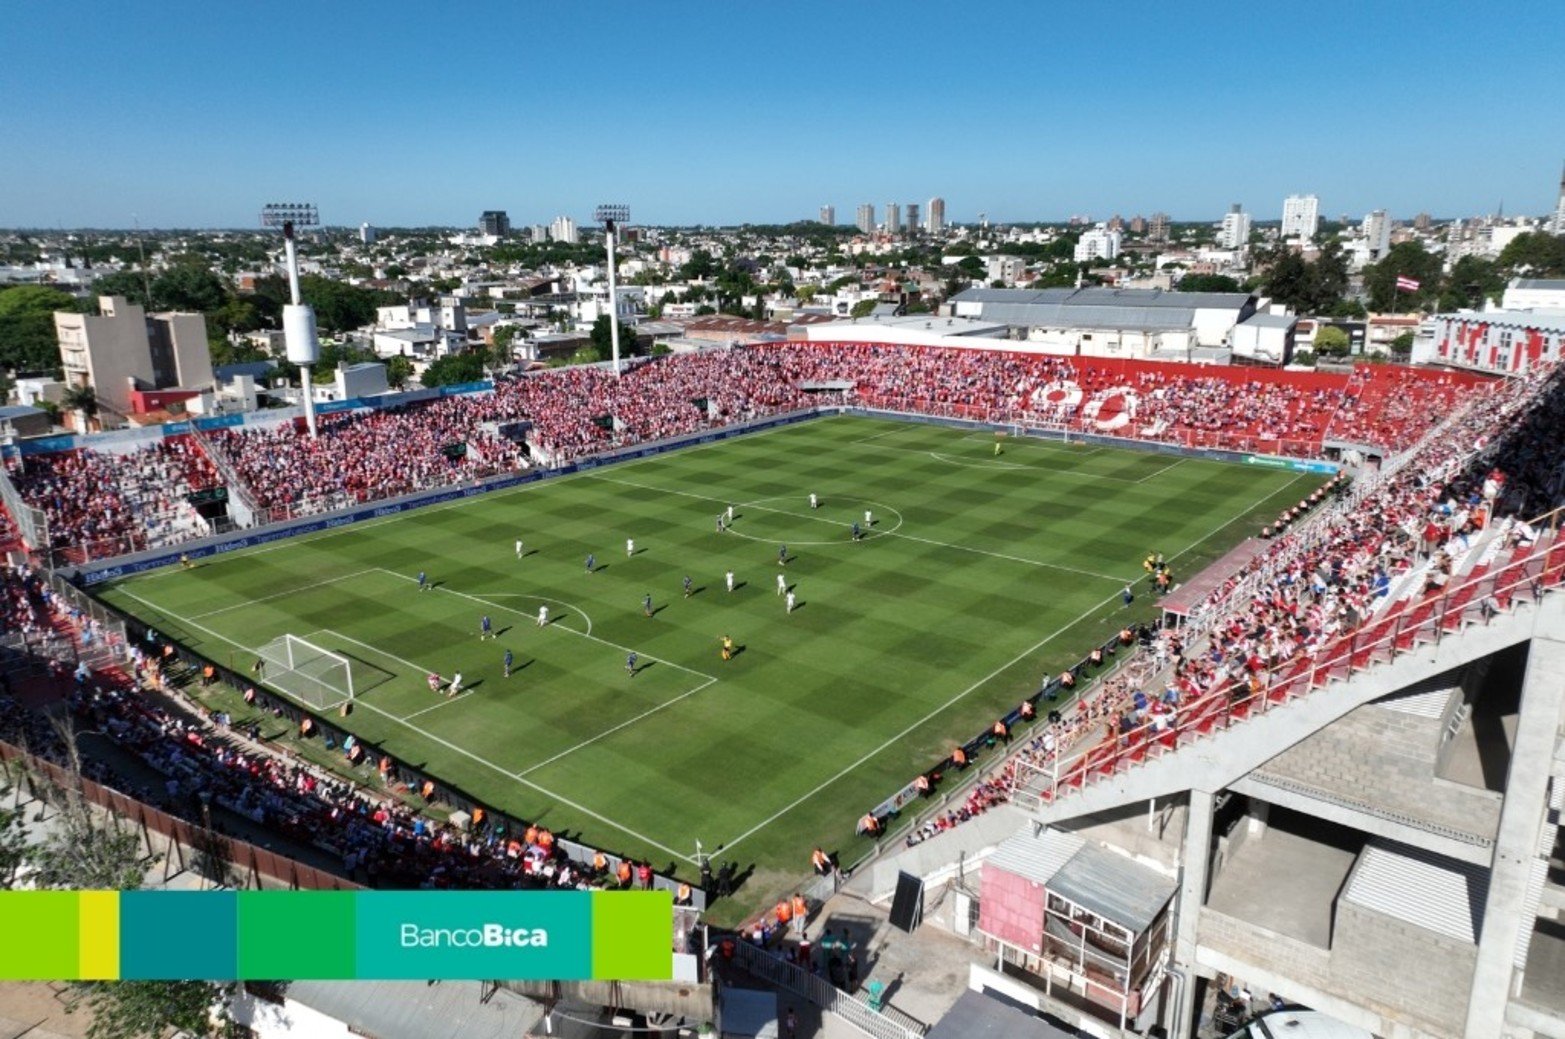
{"x": 525, "y": 935}
{"x": 179, "y": 935}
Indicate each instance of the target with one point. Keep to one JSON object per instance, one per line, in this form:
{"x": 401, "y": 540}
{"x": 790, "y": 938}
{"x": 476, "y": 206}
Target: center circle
{"x": 791, "y": 525}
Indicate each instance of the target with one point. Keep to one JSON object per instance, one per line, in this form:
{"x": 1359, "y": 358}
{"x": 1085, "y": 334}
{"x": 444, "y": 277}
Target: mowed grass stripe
{"x": 889, "y": 630}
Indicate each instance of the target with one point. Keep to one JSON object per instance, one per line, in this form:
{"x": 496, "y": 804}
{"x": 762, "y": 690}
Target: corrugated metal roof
{"x": 417, "y": 1010}
{"x": 1270, "y": 321}
{"x": 977, "y": 1016}
{"x": 1538, "y": 871}
{"x": 1420, "y": 888}
{"x": 1036, "y": 858}
{"x": 1114, "y": 886}
{"x": 1555, "y": 284}
{"x": 1097, "y": 296}
{"x": 1056, "y": 316}
{"x": 1544, "y": 322}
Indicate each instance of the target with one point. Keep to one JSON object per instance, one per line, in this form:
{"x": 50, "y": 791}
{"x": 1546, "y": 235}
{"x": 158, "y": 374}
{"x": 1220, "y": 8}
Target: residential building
{"x": 1157, "y": 227}
{"x": 893, "y": 218}
{"x": 1235, "y": 232}
{"x": 1097, "y": 244}
{"x": 564, "y": 230}
{"x": 912, "y": 223}
{"x": 1421, "y": 222}
{"x": 123, "y": 350}
{"x": 366, "y": 234}
{"x": 1138, "y": 224}
{"x": 494, "y": 222}
{"x": 866, "y": 217}
{"x": 1300, "y": 216}
{"x": 1004, "y": 268}
{"x": 1376, "y": 231}
{"x": 539, "y": 233}
{"x": 1116, "y": 223}
{"x": 829, "y": 215}
{"x": 936, "y": 218}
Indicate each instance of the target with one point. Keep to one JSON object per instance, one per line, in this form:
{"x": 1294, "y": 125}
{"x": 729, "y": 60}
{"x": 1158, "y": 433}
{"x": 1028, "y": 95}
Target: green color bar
{"x": 633, "y": 935}
{"x": 297, "y": 935}
{"x": 390, "y": 935}
{"x": 40, "y": 931}
{"x": 179, "y": 935}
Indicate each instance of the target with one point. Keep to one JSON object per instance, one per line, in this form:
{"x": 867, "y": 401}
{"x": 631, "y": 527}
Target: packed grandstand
{"x": 1444, "y": 534}
{"x": 105, "y": 502}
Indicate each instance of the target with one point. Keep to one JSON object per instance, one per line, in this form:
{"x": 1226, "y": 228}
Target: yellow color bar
{"x": 99, "y": 947}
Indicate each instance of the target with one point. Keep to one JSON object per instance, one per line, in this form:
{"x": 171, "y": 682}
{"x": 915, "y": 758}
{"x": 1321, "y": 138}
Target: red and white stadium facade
{"x": 1506, "y": 342}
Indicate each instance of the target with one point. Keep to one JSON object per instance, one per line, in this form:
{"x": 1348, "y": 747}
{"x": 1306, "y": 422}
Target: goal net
{"x": 311, "y": 674}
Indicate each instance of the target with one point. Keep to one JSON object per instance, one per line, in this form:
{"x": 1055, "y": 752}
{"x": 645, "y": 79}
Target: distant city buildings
{"x": 913, "y": 225}
{"x": 1157, "y": 227}
{"x": 1421, "y": 222}
{"x": 937, "y": 215}
{"x": 1235, "y": 232}
{"x": 829, "y": 215}
{"x": 1138, "y": 224}
{"x": 1097, "y": 244}
{"x": 538, "y": 233}
{"x": 366, "y": 234}
{"x": 893, "y": 218}
{"x": 494, "y": 222}
{"x": 1376, "y": 231}
{"x": 865, "y": 221}
{"x": 1300, "y": 216}
{"x": 564, "y": 230}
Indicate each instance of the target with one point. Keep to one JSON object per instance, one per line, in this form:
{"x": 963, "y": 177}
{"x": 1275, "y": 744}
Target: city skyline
{"x": 176, "y": 116}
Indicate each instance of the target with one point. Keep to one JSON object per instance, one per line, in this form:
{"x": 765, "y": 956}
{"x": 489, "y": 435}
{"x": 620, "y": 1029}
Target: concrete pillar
{"x": 1260, "y": 818}
{"x": 1521, "y": 816}
{"x": 1195, "y": 869}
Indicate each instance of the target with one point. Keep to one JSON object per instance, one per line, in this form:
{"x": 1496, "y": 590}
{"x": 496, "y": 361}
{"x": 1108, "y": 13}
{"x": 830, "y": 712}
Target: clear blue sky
{"x": 193, "y": 114}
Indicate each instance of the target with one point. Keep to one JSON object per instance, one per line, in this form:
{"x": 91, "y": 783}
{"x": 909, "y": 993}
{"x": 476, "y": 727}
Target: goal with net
{"x": 311, "y": 674}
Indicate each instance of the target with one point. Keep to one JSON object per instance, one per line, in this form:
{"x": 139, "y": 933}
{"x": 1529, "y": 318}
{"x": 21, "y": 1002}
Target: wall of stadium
{"x": 1507, "y": 342}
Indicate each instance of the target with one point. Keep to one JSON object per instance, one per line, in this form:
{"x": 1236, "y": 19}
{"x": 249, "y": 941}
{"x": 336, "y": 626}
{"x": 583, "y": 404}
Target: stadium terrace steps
{"x": 1219, "y": 742}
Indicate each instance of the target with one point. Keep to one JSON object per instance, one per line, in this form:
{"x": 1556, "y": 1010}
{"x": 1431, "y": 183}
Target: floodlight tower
{"x": 304, "y": 346}
{"x": 612, "y": 215}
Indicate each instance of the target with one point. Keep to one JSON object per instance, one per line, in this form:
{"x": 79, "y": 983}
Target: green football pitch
{"x": 980, "y": 574}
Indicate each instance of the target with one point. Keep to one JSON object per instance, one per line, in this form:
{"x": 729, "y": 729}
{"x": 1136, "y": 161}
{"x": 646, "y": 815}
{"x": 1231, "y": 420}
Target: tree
{"x": 863, "y": 308}
{"x": 150, "y": 1009}
{"x": 1472, "y": 280}
{"x": 1403, "y": 260}
{"x": 27, "y": 339}
{"x": 454, "y": 369}
{"x": 1402, "y": 345}
{"x": 13, "y": 839}
{"x": 1207, "y": 283}
{"x": 188, "y": 287}
{"x": 81, "y": 398}
{"x": 1331, "y": 341}
{"x": 132, "y": 285}
{"x": 1535, "y": 254}
{"x": 603, "y": 343}
{"x": 398, "y": 371}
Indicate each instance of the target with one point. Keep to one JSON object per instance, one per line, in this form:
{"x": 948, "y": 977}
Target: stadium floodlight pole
{"x": 612, "y": 216}
{"x": 304, "y": 345}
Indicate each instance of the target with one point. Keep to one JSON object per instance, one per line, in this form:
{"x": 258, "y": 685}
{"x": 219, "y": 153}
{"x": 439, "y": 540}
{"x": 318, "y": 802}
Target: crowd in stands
{"x": 122, "y": 501}
{"x": 103, "y": 504}
{"x": 1322, "y": 596}
{"x": 367, "y": 455}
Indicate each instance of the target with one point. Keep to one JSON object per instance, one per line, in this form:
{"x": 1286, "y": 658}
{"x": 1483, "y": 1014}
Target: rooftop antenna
{"x": 612, "y": 215}
{"x": 304, "y": 345}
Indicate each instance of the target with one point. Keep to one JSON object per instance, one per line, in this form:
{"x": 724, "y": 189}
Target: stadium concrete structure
{"x": 1526, "y": 331}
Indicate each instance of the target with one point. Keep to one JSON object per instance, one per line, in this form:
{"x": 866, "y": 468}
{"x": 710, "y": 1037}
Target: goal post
{"x": 311, "y": 674}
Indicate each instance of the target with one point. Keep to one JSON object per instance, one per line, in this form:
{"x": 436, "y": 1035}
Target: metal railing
{"x": 1419, "y": 620}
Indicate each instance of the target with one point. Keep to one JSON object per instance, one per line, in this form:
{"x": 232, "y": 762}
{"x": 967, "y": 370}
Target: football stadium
{"x": 758, "y": 624}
